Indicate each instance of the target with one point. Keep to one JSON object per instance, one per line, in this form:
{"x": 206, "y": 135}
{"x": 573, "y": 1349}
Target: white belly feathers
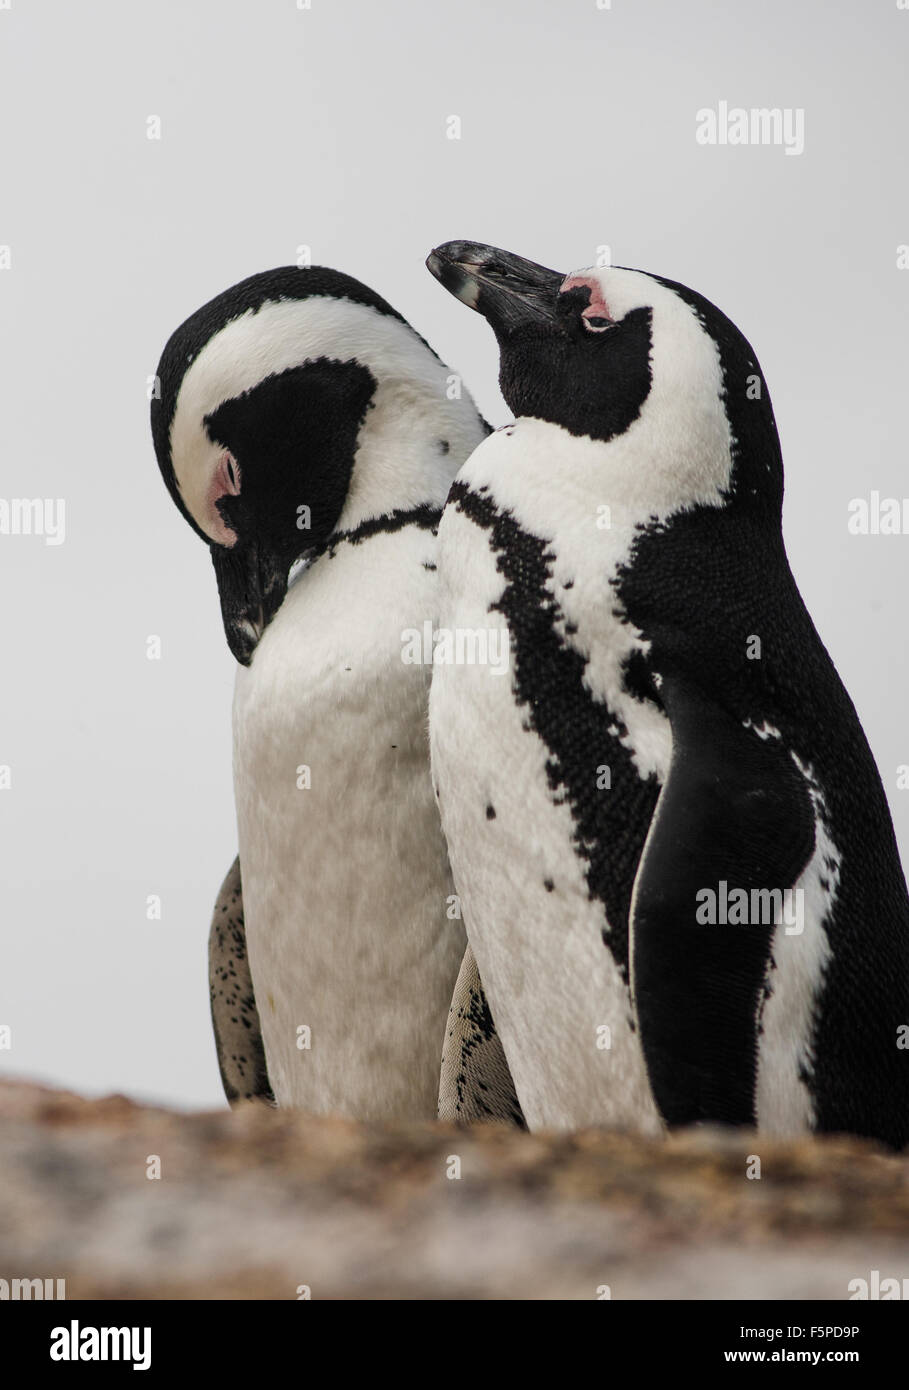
{"x": 345, "y": 876}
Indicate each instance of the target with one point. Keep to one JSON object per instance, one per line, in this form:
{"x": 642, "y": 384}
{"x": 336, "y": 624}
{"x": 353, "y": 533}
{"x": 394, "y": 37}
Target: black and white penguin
{"x": 675, "y": 856}
{"x": 309, "y": 435}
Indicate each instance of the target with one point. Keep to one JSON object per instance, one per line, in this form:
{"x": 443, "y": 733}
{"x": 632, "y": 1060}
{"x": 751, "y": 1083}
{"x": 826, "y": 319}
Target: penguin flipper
{"x": 475, "y": 1083}
{"x": 736, "y": 811}
{"x": 234, "y": 1016}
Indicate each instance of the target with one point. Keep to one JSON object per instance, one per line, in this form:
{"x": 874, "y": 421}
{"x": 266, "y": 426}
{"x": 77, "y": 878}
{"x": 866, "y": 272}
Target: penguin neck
{"x": 411, "y": 445}
{"x": 664, "y": 461}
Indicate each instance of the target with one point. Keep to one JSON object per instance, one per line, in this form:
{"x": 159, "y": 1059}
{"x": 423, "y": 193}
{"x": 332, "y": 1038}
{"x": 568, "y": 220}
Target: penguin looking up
{"x": 675, "y": 856}
{"x": 305, "y": 432}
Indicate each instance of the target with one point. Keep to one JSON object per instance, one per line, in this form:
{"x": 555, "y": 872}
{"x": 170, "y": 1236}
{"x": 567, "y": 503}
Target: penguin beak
{"x": 251, "y": 585}
{"x": 507, "y": 290}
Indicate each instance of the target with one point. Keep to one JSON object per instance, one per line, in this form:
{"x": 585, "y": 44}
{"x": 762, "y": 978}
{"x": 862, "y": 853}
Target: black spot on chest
{"x": 581, "y": 734}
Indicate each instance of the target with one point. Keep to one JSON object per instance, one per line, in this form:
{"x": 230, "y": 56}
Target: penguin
{"x": 677, "y": 866}
{"x": 309, "y": 436}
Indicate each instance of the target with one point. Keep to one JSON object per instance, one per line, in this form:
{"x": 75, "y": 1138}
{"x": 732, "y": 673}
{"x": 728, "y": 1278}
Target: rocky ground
{"x": 259, "y": 1204}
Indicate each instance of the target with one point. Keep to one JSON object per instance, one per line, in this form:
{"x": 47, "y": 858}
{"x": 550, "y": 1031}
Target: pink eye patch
{"x": 225, "y": 482}
{"x": 597, "y": 308}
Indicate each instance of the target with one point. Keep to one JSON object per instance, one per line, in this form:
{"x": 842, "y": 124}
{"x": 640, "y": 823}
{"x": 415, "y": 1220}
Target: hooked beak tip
{"x": 458, "y": 276}
{"x": 506, "y": 289}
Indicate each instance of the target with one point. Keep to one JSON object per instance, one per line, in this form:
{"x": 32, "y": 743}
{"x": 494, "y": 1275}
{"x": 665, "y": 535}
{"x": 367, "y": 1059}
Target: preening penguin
{"x": 305, "y": 431}
{"x": 678, "y": 869}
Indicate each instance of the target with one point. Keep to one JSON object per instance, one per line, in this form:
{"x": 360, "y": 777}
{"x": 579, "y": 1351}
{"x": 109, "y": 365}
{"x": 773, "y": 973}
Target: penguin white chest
{"x": 346, "y": 883}
{"x": 516, "y": 847}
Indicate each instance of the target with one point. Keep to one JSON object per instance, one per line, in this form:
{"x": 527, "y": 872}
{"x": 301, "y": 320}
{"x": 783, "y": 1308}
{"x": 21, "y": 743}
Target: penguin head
{"x": 294, "y": 404}
{"x": 601, "y": 350}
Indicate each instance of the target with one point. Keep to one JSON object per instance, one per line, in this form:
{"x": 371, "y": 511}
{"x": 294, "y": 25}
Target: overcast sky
{"x": 328, "y": 127}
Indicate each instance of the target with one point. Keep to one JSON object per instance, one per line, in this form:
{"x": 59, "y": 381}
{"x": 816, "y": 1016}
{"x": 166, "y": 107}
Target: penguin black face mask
{"x": 280, "y": 484}
{"x": 563, "y": 356}
{"x": 272, "y": 478}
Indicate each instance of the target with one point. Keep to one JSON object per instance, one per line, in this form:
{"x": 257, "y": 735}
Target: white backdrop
{"x": 328, "y": 127}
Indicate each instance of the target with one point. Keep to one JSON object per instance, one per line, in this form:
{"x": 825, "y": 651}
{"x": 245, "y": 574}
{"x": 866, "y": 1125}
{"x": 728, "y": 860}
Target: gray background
{"x": 327, "y": 128}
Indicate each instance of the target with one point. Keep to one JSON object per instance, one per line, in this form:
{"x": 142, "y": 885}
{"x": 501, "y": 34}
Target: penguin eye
{"x": 595, "y": 324}
{"x": 229, "y": 471}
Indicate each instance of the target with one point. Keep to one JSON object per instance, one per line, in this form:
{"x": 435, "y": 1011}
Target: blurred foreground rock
{"x": 258, "y": 1203}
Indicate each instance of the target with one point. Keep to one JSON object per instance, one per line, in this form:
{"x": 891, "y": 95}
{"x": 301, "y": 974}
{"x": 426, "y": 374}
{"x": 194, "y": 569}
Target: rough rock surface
{"x": 257, "y": 1203}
